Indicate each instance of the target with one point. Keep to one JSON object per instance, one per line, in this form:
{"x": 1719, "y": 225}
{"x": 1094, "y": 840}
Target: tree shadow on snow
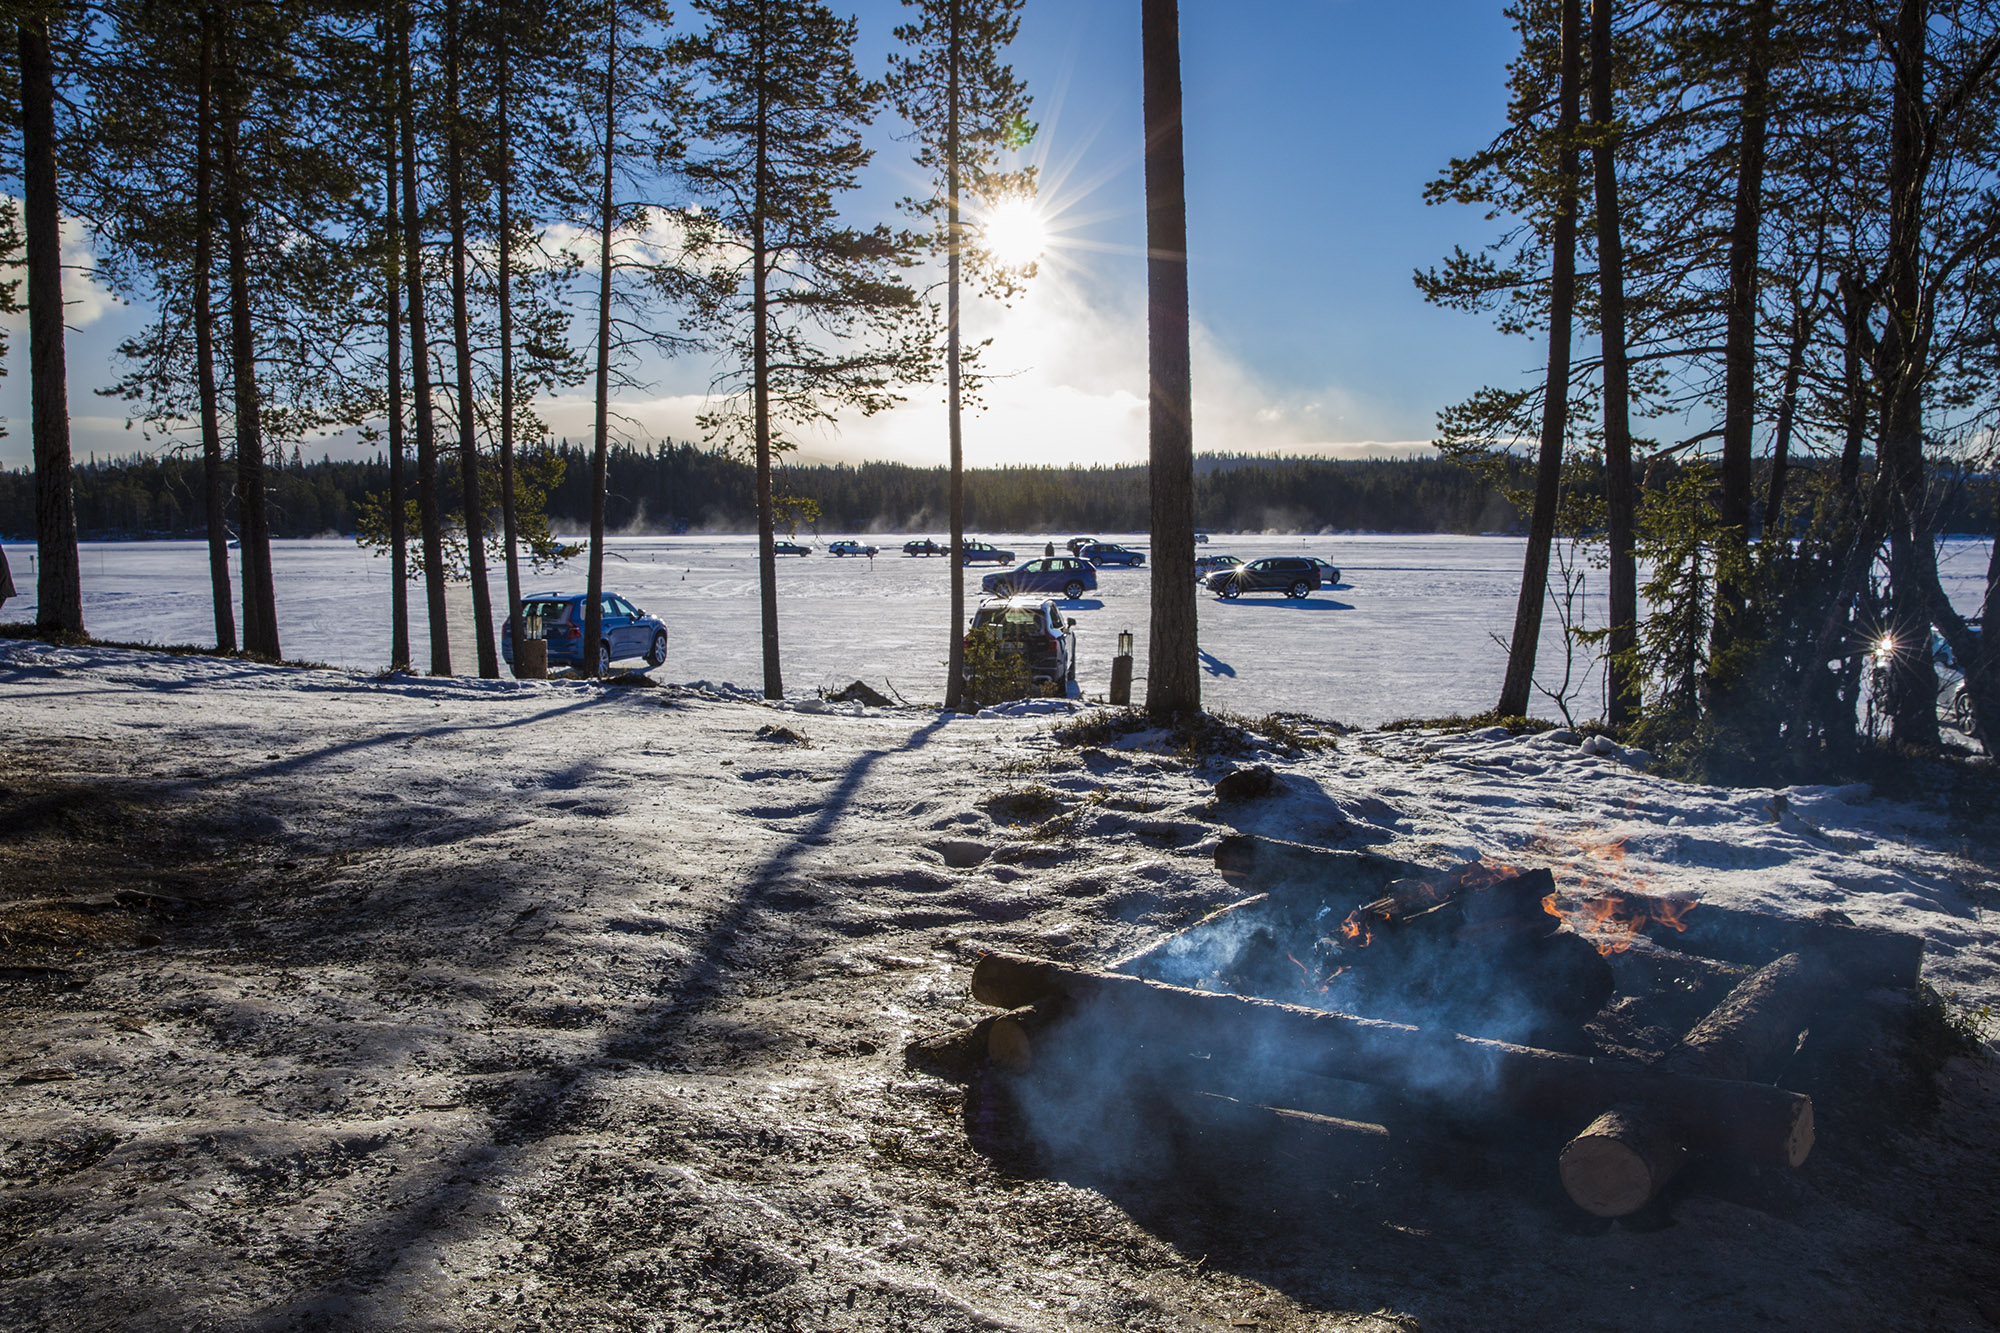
{"x": 545, "y": 1101}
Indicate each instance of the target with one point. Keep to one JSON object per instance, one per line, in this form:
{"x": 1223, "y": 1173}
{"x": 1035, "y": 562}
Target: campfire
{"x": 1649, "y": 1029}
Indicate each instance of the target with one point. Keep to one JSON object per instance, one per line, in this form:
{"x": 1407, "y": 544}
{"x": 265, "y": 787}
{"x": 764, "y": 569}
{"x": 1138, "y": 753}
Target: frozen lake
{"x": 1408, "y": 632}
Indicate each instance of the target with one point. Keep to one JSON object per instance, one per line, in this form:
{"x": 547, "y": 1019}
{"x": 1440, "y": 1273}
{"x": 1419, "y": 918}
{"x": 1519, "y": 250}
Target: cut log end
{"x": 1009, "y": 1046}
{"x": 1799, "y": 1145}
{"x": 1621, "y": 1161}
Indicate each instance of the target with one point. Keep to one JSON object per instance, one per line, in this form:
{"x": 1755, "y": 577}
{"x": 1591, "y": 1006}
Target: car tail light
{"x": 565, "y": 632}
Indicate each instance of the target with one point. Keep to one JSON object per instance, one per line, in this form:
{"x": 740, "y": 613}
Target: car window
{"x": 547, "y": 610}
{"x": 608, "y": 605}
{"x": 625, "y": 608}
{"x": 1259, "y": 566}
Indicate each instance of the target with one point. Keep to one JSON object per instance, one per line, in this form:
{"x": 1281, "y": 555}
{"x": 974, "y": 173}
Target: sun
{"x": 1014, "y": 233}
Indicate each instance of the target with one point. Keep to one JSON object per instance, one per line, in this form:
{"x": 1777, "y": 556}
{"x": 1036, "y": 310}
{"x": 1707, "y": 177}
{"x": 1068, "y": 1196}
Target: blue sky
{"x": 1311, "y": 129}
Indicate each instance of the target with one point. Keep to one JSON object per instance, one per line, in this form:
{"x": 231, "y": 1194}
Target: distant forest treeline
{"x": 678, "y": 487}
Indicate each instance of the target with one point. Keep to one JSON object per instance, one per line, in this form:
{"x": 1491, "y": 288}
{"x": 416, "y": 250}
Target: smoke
{"x": 1474, "y": 966}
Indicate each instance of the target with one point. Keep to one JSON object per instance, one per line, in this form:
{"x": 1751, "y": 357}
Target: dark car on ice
{"x": 626, "y": 631}
{"x": 977, "y": 551}
{"x": 1063, "y": 574}
{"x": 1036, "y": 627}
{"x": 1953, "y": 702}
{"x": 925, "y": 546}
{"x": 1292, "y": 575}
{"x": 1110, "y": 553}
{"x": 790, "y": 548}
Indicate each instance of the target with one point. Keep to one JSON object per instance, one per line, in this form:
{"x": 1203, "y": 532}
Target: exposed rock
{"x": 860, "y": 693}
{"x": 1246, "y": 784}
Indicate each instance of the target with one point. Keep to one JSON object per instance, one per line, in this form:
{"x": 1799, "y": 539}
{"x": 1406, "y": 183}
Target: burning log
{"x": 1756, "y": 1122}
{"x": 1628, "y": 1154}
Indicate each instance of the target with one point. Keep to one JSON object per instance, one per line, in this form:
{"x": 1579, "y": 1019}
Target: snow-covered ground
{"x": 1407, "y": 633}
{"x": 544, "y": 1005}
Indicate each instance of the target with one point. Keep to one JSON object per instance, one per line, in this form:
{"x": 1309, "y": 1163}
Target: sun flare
{"x": 1014, "y": 233}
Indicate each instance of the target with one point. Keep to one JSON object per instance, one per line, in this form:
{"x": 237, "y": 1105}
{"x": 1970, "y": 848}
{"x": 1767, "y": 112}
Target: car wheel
{"x": 1960, "y": 711}
{"x": 1300, "y": 589}
{"x": 657, "y": 654}
{"x": 1232, "y": 590}
{"x": 1073, "y": 589}
{"x": 603, "y": 660}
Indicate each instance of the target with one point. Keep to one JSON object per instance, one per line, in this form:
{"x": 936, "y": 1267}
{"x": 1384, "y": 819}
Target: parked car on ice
{"x": 1329, "y": 573}
{"x": 1204, "y": 565}
{"x": 925, "y": 546}
{"x": 976, "y": 551}
{"x": 853, "y": 548}
{"x": 1110, "y": 553}
{"x": 626, "y": 630}
{"x": 792, "y": 548}
{"x": 1954, "y": 704}
{"x": 1295, "y": 576}
{"x": 1037, "y": 627}
{"x": 1076, "y": 544}
{"x": 1063, "y": 573}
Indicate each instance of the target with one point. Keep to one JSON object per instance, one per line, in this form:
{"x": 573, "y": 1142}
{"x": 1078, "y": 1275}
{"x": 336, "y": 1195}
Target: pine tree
{"x": 968, "y": 109}
{"x": 1173, "y": 676}
{"x": 809, "y": 312}
{"x": 59, "y": 592}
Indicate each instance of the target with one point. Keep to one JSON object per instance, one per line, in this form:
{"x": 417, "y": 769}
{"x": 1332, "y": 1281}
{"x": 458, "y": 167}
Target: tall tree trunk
{"x": 392, "y": 301}
{"x": 1788, "y": 403}
{"x": 600, "y": 456}
{"x": 260, "y": 606}
{"x": 954, "y": 684}
{"x": 215, "y": 480}
{"x": 1622, "y": 668}
{"x": 760, "y": 369}
{"x": 59, "y": 586}
{"x": 1854, "y": 414}
{"x": 461, "y": 338}
{"x": 1739, "y": 356}
{"x": 1912, "y": 678}
{"x": 1555, "y": 398}
{"x": 428, "y": 519}
{"x": 506, "y": 183}
{"x": 1173, "y": 676}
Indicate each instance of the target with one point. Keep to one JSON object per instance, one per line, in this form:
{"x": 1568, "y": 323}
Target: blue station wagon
{"x": 626, "y": 632}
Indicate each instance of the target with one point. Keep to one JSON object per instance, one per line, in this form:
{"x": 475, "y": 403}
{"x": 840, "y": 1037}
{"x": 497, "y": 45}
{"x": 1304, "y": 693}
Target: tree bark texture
{"x": 461, "y": 338}
{"x": 1903, "y": 357}
{"x": 215, "y": 479}
{"x": 59, "y": 582}
{"x": 1788, "y": 406}
{"x": 954, "y": 683}
{"x": 1173, "y": 676}
{"x": 505, "y": 185}
{"x": 600, "y": 454}
{"x": 392, "y": 302}
{"x": 260, "y": 607}
{"x": 1522, "y": 648}
{"x": 760, "y": 370}
{"x": 429, "y": 522}
{"x": 1739, "y": 360}
{"x": 1623, "y": 573}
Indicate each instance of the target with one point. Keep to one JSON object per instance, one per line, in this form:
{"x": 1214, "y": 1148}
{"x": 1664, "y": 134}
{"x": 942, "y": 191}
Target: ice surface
{"x": 1408, "y": 632}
